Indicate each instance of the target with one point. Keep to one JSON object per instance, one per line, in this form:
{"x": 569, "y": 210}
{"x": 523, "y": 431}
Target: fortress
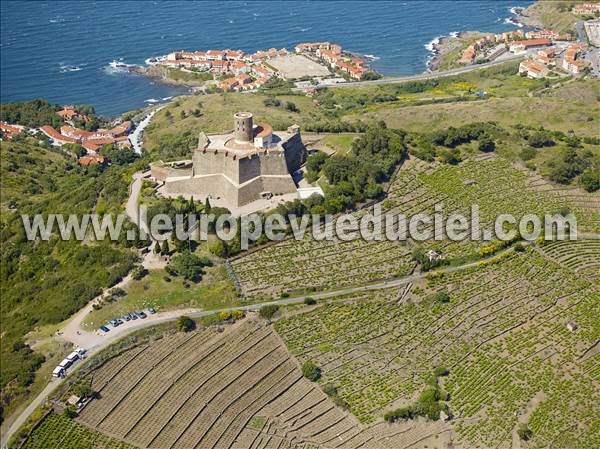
{"x": 247, "y": 164}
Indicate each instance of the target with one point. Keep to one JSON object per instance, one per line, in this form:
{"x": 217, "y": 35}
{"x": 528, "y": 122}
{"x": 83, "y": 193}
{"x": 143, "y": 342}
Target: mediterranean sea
{"x": 61, "y": 50}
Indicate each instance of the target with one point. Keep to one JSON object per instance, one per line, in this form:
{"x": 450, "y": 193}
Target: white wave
{"x": 151, "y": 100}
{"x": 372, "y": 57}
{"x": 66, "y": 68}
{"x": 305, "y": 29}
{"x": 231, "y": 21}
{"x": 454, "y": 34}
{"x": 166, "y": 98}
{"x": 515, "y": 10}
{"x": 430, "y": 46}
{"x": 118, "y": 66}
{"x": 512, "y": 21}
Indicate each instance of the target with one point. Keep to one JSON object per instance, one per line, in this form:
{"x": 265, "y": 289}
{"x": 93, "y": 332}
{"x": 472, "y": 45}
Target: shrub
{"x": 541, "y": 139}
{"x": 311, "y": 371}
{"x": 590, "y": 180}
{"x": 309, "y": 301}
{"x": 70, "y": 412}
{"x": 231, "y": 315}
{"x": 486, "y": 144}
{"x": 291, "y": 107}
{"x": 524, "y": 432}
{"x": 139, "y": 273}
{"x": 440, "y": 297}
{"x": 185, "y": 324}
{"x": 441, "y": 371}
{"x": 527, "y": 153}
{"x": 267, "y": 312}
{"x": 330, "y": 389}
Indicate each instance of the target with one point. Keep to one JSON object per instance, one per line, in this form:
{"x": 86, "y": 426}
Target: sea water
{"x": 61, "y": 51}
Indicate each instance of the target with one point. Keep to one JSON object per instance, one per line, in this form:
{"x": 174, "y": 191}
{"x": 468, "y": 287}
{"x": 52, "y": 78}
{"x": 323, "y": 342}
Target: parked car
{"x": 127, "y": 317}
{"x": 151, "y": 310}
{"x": 133, "y": 316}
{"x": 141, "y": 314}
{"x": 104, "y": 328}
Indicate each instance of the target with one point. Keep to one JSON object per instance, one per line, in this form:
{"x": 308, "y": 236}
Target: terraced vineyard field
{"x": 502, "y": 336}
{"x": 581, "y": 256}
{"x": 59, "y": 432}
{"x": 203, "y": 389}
{"x": 586, "y": 204}
{"x": 490, "y": 182}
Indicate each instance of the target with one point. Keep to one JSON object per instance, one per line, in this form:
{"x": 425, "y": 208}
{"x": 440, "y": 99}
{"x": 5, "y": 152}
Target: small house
{"x": 74, "y": 400}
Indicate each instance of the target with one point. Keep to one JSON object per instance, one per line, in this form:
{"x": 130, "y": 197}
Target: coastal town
{"x": 89, "y": 142}
{"x": 545, "y": 51}
{"x": 234, "y": 70}
{"x": 224, "y": 247}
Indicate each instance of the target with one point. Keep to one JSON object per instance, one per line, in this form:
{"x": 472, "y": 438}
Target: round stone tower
{"x": 242, "y": 125}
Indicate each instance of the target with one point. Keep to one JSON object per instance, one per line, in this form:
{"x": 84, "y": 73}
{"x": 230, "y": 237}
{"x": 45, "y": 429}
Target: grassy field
{"x": 550, "y": 109}
{"x": 179, "y": 75}
{"x": 217, "y": 114}
{"x": 214, "y": 291}
{"x": 339, "y": 143}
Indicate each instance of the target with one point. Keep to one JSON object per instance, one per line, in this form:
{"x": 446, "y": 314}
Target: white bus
{"x": 73, "y": 356}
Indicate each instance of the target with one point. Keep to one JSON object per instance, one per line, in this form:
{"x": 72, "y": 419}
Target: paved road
{"x": 426, "y": 76}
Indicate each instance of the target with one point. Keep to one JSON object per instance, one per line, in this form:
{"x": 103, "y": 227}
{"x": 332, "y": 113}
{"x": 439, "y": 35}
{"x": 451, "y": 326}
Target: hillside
{"x": 555, "y": 15}
{"x": 449, "y": 337}
{"x": 44, "y": 283}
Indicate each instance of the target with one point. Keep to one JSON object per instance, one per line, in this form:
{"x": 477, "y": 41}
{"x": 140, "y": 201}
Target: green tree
{"x": 119, "y": 156}
{"x": 185, "y": 324}
{"x": 189, "y": 265}
{"x": 524, "y": 432}
{"x": 218, "y": 248}
{"x": 590, "y": 180}
{"x": 311, "y": 371}
{"x": 267, "y": 312}
{"x": 165, "y": 248}
{"x": 486, "y": 144}
{"x": 541, "y": 139}
{"x": 76, "y": 149}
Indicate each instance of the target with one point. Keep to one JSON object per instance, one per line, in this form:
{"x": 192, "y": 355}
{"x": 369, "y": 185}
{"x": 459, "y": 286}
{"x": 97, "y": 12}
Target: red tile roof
{"x": 55, "y": 135}
{"x": 533, "y": 42}
{"x": 91, "y": 159}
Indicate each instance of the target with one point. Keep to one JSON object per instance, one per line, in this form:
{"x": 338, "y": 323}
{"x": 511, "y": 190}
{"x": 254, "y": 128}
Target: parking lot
{"x": 298, "y": 66}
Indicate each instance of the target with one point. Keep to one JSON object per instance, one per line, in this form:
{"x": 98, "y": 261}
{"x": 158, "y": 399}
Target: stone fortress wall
{"x": 240, "y": 175}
